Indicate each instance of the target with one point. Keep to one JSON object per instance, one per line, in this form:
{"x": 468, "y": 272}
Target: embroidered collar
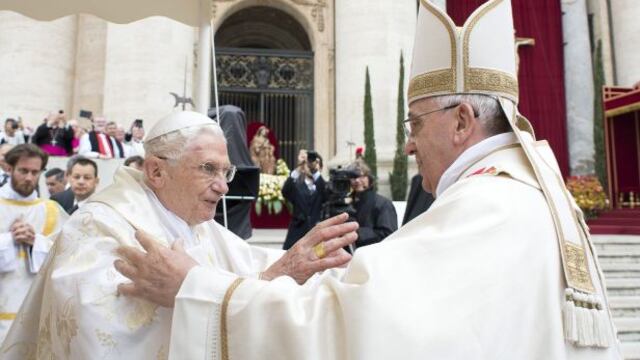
{"x": 470, "y": 156}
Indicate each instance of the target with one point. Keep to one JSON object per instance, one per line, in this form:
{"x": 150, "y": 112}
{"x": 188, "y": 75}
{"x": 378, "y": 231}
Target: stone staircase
{"x": 620, "y": 260}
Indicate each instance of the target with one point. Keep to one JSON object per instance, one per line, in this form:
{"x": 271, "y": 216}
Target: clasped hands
{"x": 22, "y": 232}
{"x": 157, "y": 274}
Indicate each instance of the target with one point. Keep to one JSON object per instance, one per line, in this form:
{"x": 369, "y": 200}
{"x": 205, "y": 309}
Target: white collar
{"x": 470, "y": 156}
{"x": 7, "y": 192}
{"x": 172, "y": 224}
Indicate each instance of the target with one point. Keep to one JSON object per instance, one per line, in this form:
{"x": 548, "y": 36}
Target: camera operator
{"x": 374, "y": 213}
{"x": 305, "y": 190}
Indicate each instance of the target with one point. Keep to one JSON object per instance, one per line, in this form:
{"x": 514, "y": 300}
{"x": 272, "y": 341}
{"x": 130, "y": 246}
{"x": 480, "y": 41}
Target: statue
{"x": 262, "y": 151}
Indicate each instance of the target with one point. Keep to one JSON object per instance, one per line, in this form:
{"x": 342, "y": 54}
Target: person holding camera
{"x": 374, "y": 213}
{"x": 54, "y": 136}
{"x": 11, "y": 135}
{"x": 305, "y": 190}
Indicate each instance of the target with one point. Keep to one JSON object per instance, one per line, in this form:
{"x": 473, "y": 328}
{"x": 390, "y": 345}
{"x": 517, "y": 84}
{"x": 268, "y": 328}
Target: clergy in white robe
{"x": 500, "y": 267}
{"x": 27, "y": 225}
{"x": 478, "y": 276}
{"x": 74, "y": 310}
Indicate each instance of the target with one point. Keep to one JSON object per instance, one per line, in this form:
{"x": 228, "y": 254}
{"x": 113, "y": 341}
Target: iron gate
{"x": 274, "y": 87}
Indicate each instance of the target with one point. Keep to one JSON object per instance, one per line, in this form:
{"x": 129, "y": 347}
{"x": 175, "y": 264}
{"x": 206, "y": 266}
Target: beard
{"x": 24, "y": 189}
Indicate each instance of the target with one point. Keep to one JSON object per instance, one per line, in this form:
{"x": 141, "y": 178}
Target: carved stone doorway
{"x": 265, "y": 66}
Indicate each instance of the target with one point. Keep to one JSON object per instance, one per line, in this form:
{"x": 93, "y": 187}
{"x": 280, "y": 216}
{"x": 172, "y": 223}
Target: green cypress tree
{"x": 369, "y": 138}
{"x": 598, "y": 116}
{"x": 398, "y": 177}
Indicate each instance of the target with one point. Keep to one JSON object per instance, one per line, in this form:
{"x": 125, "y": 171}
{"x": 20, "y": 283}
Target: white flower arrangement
{"x": 270, "y": 193}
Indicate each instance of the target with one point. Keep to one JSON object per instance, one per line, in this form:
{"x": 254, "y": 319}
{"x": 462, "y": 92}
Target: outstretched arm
{"x": 157, "y": 275}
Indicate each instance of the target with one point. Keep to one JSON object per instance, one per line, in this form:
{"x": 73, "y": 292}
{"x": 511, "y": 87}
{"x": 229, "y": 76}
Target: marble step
{"x": 618, "y": 251}
{"x": 623, "y": 286}
{"x": 615, "y": 239}
{"x": 631, "y": 350}
{"x": 610, "y": 265}
{"x": 627, "y": 324}
{"x": 624, "y": 302}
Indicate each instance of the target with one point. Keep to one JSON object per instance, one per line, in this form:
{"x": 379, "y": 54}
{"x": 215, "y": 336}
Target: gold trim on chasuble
{"x": 7, "y": 316}
{"x": 51, "y": 217}
{"x": 224, "y": 342}
{"x": 20, "y": 202}
{"x": 438, "y": 81}
{"x": 576, "y": 264}
{"x": 480, "y": 79}
{"x": 574, "y": 256}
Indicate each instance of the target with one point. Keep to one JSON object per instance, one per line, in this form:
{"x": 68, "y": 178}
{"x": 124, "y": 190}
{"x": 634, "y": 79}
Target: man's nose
{"x": 220, "y": 185}
{"x": 31, "y": 177}
{"x": 409, "y": 148}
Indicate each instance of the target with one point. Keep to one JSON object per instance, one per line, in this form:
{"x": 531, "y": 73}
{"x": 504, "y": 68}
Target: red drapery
{"x": 541, "y": 76}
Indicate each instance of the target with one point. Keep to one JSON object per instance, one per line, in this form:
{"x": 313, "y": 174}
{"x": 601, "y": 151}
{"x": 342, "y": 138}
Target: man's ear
{"x": 466, "y": 123}
{"x": 154, "y": 171}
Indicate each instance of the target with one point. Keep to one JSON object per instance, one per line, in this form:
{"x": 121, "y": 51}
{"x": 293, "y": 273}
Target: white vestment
{"x": 20, "y": 263}
{"x": 478, "y": 276}
{"x": 73, "y": 311}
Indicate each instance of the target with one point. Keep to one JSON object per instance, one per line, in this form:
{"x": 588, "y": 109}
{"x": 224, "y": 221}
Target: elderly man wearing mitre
{"x": 500, "y": 267}
{"x": 27, "y": 226}
{"x": 74, "y": 310}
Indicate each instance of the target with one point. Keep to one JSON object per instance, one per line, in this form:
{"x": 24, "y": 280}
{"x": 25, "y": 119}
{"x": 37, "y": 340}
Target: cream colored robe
{"x": 19, "y": 264}
{"x": 73, "y": 311}
{"x": 478, "y": 276}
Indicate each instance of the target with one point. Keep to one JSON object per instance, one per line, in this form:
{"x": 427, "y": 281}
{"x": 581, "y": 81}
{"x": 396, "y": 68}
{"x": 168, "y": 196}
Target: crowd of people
{"x": 29, "y": 219}
{"x": 58, "y": 136}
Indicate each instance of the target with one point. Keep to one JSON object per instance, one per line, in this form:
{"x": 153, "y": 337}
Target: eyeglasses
{"x": 212, "y": 171}
{"x": 412, "y": 119}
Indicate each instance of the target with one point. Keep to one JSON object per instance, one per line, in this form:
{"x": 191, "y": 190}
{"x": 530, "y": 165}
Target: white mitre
{"x": 480, "y": 58}
{"x": 177, "y": 121}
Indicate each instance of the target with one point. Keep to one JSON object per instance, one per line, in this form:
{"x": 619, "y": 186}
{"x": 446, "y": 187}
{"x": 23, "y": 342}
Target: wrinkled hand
{"x": 301, "y": 262}
{"x": 157, "y": 274}
{"x": 22, "y": 232}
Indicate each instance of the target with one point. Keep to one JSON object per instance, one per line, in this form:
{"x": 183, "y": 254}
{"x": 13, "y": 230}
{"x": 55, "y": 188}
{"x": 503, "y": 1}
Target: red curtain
{"x": 541, "y": 76}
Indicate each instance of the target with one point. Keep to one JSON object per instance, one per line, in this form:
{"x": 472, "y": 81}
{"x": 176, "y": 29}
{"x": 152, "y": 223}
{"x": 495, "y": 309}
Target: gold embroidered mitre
{"x": 480, "y": 58}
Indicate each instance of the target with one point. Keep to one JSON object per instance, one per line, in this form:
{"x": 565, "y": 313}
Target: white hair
{"x": 173, "y": 144}
{"x": 487, "y": 109}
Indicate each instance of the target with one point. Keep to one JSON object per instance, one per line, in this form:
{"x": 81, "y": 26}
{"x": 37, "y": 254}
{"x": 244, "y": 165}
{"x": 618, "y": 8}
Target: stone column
{"x": 36, "y": 66}
{"x": 90, "y": 60}
{"x": 203, "y": 86}
{"x": 371, "y": 33}
{"x": 626, "y": 37}
{"x": 578, "y": 86}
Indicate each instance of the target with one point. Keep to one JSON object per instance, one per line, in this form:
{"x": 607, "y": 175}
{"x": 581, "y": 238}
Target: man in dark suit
{"x": 418, "y": 200}
{"x": 305, "y": 190}
{"x": 82, "y": 174}
{"x": 97, "y": 143}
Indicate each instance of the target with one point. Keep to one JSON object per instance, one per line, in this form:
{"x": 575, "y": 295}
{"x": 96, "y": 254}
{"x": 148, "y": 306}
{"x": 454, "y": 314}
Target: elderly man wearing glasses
{"x": 186, "y": 170}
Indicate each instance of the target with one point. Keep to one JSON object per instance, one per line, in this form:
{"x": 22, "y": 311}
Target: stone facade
{"x": 626, "y": 37}
{"x": 126, "y": 72}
